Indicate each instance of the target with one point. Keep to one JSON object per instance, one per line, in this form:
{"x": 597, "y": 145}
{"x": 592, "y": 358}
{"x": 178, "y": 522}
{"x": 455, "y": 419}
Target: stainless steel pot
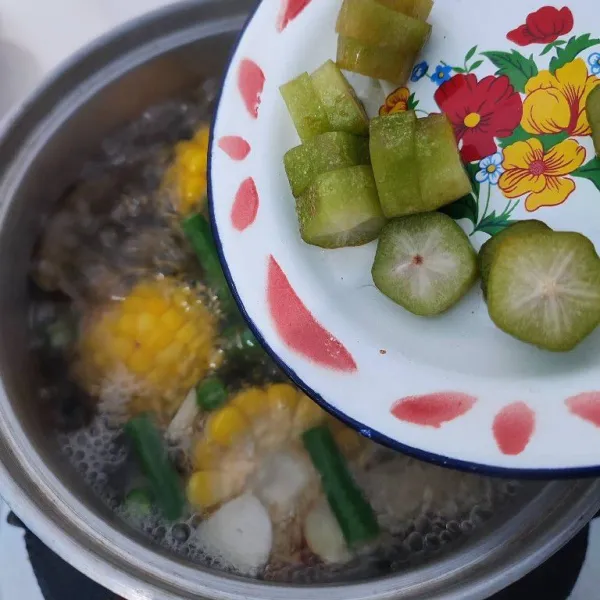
{"x": 44, "y": 145}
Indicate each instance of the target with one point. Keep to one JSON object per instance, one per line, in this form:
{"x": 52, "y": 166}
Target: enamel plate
{"x": 452, "y": 389}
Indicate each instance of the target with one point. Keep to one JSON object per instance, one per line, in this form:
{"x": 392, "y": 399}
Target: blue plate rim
{"x": 378, "y": 437}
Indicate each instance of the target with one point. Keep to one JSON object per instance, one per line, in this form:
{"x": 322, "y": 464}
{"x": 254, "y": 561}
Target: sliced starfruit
{"x": 425, "y": 263}
{"x": 374, "y": 61}
{"x": 489, "y": 249}
{"x": 344, "y": 109}
{"x": 593, "y": 115}
{"x": 374, "y": 24}
{"x": 341, "y": 208}
{"x": 419, "y": 9}
{"x": 442, "y": 176}
{"x": 305, "y": 107}
{"x": 324, "y": 153}
{"x": 393, "y": 156}
{"x": 544, "y": 288}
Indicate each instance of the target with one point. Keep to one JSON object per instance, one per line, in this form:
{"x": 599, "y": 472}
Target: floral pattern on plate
{"x": 518, "y": 113}
{"x": 519, "y": 130}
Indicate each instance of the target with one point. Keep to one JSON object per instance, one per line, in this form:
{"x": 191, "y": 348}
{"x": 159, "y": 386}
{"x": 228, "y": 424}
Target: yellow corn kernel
{"x": 191, "y": 189}
{"x": 146, "y": 323}
{"x": 181, "y": 298}
{"x": 203, "y": 348}
{"x": 207, "y": 455}
{"x": 202, "y": 137}
{"x": 160, "y": 339}
{"x": 308, "y": 414}
{"x": 147, "y": 291}
{"x": 173, "y": 319}
{"x": 252, "y": 402}
{"x": 171, "y": 354}
{"x": 127, "y": 325}
{"x": 133, "y": 305}
{"x": 186, "y": 334}
{"x": 194, "y": 160}
{"x": 102, "y": 360}
{"x": 182, "y": 148}
{"x": 122, "y": 348}
{"x": 155, "y": 377}
{"x": 226, "y": 426}
{"x": 186, "y": 177}
{"x": 140, "y": 362}
{"x": 156, "y": 306}
{"x": 349, "y": 442}
{"x": 163, "y": 348}
{"x": 282, "y": 396}
{"x": 208, "y": 488}
{"x": 193, "y": 378}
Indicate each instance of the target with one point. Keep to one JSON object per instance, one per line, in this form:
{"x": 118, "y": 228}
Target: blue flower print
{"x": 419, "y": 71}
{"x": 491, "y": 169}
{"x": 594, "y": 61}
{"x": 442, "y": 73}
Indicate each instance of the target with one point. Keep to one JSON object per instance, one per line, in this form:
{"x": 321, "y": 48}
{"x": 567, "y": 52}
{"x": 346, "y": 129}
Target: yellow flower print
{"x": 396, "y": 102}
{"x": 541, "y": 175}
{"x": 556, "y": 103}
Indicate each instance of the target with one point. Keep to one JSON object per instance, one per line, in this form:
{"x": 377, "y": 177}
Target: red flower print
{"x": 543, "y": 26}
{"x": 480, "y": 111}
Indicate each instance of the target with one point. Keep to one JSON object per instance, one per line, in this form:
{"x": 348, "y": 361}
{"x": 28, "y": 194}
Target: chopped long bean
{"x": 197, "y": 232}
{"x": 139, "y": 502}
{"x": 151, "y": 452}
{"x": 211, "y": 394}
{"x": 351, "y": 509}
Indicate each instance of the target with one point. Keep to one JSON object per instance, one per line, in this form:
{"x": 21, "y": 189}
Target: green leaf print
{"x": 551, "y": 46}
{"x": 475, "y": 65}
{"x": 412, "y": 103}
{"x": 468, "y": 206}
{"x": 470, "y": 54}
{"x": 515, "y": 66}
{"x": 465, "y": 208}
{"x": 472, "y": 170}
{"x": 493, "y": 224}
{"x": 590, "y": 171}
{"x": 550, "y": 140}
{"x": 520, "y": 135}
{"x": 574, "y": 47}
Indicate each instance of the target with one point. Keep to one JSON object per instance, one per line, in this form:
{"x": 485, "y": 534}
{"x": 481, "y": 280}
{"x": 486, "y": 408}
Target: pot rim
{"x": 105, "y": 553}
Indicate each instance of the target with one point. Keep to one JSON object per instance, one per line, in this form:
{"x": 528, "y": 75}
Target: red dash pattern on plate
{"x": 433, "y": 410}
{"x": 251, "y": 82}
{"x": 513, "y": 428}
{"x": 237, "y": 148}
{"x": 586, "y": 406}
{"x": 299, "y": 329}
{"x": 290, "y": 10}
{"x": 245, "y": 206}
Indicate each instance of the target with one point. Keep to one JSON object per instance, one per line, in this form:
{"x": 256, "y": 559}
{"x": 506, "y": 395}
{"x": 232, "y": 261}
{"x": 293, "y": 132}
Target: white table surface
{"x": 35, "y": 36}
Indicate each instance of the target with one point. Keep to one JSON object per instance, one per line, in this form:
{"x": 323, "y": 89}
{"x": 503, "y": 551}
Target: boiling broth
{"x": 118, "y": 228}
